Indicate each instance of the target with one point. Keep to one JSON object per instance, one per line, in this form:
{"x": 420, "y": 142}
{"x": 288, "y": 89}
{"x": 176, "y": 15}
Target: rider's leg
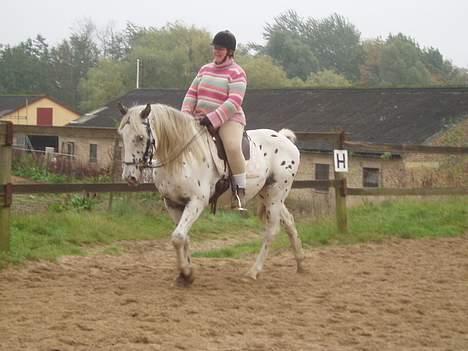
{"x": 231, "y": 135}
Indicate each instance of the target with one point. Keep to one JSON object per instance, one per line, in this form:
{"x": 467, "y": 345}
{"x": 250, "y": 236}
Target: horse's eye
{"x": 141, "y": 137}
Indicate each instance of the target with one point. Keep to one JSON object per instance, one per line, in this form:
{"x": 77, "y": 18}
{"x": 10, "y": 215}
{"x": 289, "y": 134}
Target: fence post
{"x": 340, "y": 194}
{"x": 6, "y": 141}
{"x": 115, "y": 149}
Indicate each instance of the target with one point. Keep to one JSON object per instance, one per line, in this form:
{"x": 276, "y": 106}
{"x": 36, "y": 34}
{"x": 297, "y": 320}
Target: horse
{"x": 186, "y": 169}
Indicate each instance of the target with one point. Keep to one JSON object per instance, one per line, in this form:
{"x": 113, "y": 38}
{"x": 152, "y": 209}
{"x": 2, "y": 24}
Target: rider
{"x": 215, "y": 99}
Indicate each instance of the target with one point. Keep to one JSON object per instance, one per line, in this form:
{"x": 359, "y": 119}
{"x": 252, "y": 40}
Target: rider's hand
{"x": 205, "y": 121}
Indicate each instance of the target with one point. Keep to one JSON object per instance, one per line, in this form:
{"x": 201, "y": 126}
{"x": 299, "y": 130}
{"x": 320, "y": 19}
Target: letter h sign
{"x": 341, "y": 160}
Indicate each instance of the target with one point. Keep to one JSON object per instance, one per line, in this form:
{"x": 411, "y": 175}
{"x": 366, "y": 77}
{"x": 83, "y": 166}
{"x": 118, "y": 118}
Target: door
{"x": 44, "y": 116}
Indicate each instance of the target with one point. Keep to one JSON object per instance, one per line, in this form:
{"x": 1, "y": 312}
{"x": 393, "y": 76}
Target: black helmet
{"x": 225, "y": 39}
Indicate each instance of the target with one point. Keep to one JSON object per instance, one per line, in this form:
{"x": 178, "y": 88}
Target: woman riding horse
{"x": 215, "y": 99}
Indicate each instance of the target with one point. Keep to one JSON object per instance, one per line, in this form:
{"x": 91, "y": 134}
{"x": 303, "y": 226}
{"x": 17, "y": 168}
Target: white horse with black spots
{"x": 186, "y": 169}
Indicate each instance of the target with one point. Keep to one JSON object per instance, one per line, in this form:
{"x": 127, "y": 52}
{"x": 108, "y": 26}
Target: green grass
{"x": 407, "y": 219}
{"x": 72, "y": 226}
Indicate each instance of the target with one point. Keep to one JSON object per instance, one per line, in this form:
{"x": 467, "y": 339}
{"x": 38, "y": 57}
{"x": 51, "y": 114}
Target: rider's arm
{"x": 190, "y": 100}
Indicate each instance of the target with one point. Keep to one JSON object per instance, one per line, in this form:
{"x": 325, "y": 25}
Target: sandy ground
{"x": 398, "y": 295}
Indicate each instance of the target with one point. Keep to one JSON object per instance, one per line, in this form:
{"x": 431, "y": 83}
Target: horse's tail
{"x": 288, "y": 133}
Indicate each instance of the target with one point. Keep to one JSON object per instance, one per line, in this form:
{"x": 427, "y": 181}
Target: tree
{"x": 103, "y": 83}
{"x": 171, "y": 56}
{"x": 401, "y": 64}
{"x": 336, "y": 43}
{"x": 263, "y": 73}
{"x": 24, "y": 68}
{"x": 292, "y": 54}
{"x": 327, "y": 79}
{"x": 309, "y": 45}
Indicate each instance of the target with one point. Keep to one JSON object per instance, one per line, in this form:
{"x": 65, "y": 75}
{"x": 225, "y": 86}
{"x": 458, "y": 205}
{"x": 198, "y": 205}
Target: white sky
{"x": 437, "y": 23}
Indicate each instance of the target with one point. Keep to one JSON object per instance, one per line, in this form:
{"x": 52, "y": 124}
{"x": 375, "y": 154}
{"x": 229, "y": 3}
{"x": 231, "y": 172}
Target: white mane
{"x": 177, "y": 136}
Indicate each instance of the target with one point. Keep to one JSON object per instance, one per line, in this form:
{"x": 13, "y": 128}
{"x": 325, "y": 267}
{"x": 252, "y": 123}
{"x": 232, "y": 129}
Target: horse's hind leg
{"x": 287, "y": 220}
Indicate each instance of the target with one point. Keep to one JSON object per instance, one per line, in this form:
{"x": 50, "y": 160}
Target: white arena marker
{"x": 340, "y": 158}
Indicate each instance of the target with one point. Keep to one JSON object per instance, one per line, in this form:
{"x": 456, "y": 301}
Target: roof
{"x": 396, "y": 115}
{"x": 12, "y": 103}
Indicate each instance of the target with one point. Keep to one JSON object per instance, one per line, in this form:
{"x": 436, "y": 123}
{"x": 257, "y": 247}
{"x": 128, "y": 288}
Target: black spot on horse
{"x": 274, "y": 135}
{"x": 283, "y": 163}
{"x": 292, "y": 161}
{"x": 276, "y": 151}
{"x": 199, "y": 184}
{"x": 265, "y": 154}
{"x": 286, "y": 181}
{"x": 260, "y": 147}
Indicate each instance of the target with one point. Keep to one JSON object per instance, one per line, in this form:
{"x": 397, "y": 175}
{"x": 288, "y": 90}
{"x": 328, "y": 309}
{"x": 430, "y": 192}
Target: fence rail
{"x": 427, "y": 149}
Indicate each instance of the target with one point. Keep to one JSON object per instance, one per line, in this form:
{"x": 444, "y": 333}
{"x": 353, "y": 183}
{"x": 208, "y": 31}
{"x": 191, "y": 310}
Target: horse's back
{"x": 279, "y": 143}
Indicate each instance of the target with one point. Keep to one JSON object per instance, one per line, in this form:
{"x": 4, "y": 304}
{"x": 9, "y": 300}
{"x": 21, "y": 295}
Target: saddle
{"x": 223, "y": 184}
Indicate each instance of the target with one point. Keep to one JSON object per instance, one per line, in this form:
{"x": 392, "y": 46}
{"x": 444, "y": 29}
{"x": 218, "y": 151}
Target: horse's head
{"x": 138, "y": 142}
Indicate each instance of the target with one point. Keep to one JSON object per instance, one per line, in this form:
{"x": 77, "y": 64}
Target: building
{"x": 36, "y": 110}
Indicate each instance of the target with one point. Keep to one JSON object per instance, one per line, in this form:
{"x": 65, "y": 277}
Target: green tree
{"x": 171, "y": 56}
{"x": 304, "y": 46}
{"x": 292, "y": 53}
{"x": 327, "y": 79}
{"x": 401, "y": 64}
{"x": 102, "y": 83}
{"x": 263, "y": 73}
{"x": 24, "y": 68}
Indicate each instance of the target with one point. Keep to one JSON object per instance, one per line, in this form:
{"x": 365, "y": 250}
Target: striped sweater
{"x": 217, "y": 92}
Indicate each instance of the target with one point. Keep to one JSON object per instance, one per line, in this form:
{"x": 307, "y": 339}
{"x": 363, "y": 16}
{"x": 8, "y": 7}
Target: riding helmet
{"x": 225, "y": 39}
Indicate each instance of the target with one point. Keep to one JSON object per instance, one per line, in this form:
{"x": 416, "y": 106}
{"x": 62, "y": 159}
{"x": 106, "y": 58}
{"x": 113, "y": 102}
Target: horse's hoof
{"x": 251, "y": 275}
{"x": 185, "y": 281}
{"x": 300, "y": 266}
{"x": 300, "y": 270}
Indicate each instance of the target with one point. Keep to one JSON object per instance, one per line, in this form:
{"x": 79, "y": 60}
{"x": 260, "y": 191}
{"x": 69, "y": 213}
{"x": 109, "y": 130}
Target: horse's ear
{"x": 145, "y": 113}
{"x": 123, "y": 109}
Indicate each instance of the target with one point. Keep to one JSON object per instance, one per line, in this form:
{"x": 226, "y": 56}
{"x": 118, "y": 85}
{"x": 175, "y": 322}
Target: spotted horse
{"x": 186, "y": 170}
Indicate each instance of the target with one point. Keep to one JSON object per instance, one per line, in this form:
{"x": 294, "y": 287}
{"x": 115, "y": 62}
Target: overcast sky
{"x": 438, "y": 23}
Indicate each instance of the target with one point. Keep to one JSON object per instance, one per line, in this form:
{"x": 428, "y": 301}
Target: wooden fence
{"x": 339, "y": 183}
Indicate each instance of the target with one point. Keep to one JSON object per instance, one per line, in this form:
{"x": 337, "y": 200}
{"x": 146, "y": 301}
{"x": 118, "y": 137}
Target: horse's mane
{"x": 177, "y": 136}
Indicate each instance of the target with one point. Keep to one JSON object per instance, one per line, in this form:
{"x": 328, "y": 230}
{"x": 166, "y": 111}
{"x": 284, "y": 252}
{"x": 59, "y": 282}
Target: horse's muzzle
{"x": 132, "y": 181}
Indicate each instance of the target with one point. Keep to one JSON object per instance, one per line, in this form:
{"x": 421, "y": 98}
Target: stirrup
{"x": 237, "y": 203}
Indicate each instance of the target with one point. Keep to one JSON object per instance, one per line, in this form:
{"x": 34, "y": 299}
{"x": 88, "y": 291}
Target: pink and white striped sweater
{"x": 217, "y": 92}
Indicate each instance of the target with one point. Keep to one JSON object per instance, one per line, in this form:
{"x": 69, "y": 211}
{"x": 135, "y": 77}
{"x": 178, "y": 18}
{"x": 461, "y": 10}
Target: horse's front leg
{"x": 181, "y": 241}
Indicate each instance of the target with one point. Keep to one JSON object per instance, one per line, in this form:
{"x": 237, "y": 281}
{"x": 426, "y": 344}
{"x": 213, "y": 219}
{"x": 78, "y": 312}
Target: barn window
{"x": 92, "y": 152}
{"x": 370, "y": 177}
{"x": 322, "y": 172}
{"x": 68, "y": 148}
{"x": 44, "y": 116}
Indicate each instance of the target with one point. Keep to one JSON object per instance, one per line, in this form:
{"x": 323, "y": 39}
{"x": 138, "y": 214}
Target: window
{"x": 44, "y": 116}
{"x": 322, "y": 172}
{"x": 370, "y": 177}
{"x": 68, "y": 148}
{"x": 92, "y": 152}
